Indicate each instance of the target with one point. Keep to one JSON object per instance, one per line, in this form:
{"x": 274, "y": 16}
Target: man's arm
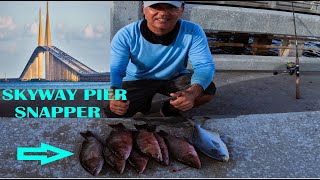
{"x": 203, "y": 67}
{"x": 195, "y": 89}
{"x": 119, "y": 59}
{"x": 201, "y": 59}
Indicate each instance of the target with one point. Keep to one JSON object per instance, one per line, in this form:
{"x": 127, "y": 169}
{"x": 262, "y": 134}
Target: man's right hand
{"x": 119, "y": 107}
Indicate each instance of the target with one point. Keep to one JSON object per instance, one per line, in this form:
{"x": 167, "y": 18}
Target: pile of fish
{"x": 139, "y": 146}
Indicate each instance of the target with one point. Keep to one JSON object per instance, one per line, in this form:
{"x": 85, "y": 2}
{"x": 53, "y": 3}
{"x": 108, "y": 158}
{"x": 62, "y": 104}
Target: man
{"x": 151, "y": 55}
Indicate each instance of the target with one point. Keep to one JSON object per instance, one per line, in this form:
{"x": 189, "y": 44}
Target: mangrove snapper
{"x": 181, "y": 150}
{"x": 164, "y": 149}
{"x": 146, "y": 142}
{"x": 114, "y": 161}
{"x": 138, "y": 160}
{"x": 120, "y": 141}
{"x": 91, "y": 155}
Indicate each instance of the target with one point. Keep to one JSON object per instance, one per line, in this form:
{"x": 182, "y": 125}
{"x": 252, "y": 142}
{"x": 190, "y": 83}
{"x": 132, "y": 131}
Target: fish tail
{"x": 163, "y": 133}
{"x": 118, "y": 126}
{"x": 86, "y": 134}
{"x": 194, "y": 124}
{"x": 141, "y": 126}
{"x": 187, "y": 140}
{"x": 152, "y": 128}
{"x": 83, "y": 135}
{"x": 191, "y": 122}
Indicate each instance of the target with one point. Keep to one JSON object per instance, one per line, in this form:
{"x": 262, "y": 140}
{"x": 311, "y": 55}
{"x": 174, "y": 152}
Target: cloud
{"x": 7, "y": 23}
{"x": 61, "y": 31}
{"x": 31, "y": 29}
{"x": 34, "y": 28}
{"x": 88, "y": 31}
{"x": 7, "y": 27}
{"x": 91, "y": 32}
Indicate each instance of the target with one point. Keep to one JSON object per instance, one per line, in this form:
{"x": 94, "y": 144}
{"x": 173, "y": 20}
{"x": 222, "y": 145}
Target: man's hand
{"x": 185, "y": 98}
{"x": 119, "y": 107}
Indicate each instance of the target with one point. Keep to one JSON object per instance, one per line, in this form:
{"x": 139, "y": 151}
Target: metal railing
{"x": 308, "y": 7}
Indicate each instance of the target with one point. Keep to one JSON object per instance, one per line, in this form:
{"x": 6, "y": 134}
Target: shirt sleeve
{"x": 119, "y": 57}
{"x": 201, "y": 59}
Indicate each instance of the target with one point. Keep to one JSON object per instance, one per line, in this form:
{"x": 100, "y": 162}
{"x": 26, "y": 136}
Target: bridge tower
{"x": 47, "y": 42}
{"x": 57, "y": 65}
{"x": 40, "y": 43}
{"x": 35, "y": 70}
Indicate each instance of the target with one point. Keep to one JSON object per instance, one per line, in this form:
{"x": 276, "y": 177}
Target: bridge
{"x": 58, "y": 65}
{"x": 62, "y": 67}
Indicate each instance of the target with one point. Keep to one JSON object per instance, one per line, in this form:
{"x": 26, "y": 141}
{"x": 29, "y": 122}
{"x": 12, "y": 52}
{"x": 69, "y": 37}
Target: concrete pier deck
{"x": 284, "y": 145}
{"x": 268, "y": 132}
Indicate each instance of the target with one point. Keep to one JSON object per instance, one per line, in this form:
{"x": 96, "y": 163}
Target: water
{"x": 54, "y": 85}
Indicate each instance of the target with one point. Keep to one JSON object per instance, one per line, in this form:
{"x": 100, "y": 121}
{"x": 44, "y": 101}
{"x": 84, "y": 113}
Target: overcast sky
{"x": 81, "y": 29}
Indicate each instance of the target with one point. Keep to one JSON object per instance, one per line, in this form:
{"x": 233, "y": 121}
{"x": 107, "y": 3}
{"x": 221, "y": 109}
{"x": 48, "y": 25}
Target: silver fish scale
{"x": 209, "y": 142}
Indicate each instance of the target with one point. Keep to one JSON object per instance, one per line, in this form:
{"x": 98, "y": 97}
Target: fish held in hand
{"x": 209, "y": 143}
{"x": 120, "y": 141}
{"x": 181, "y": 150}
{"x": 146, "y": 142}
{"x": 91, "y": 155}
{"x": 114, "y": 161}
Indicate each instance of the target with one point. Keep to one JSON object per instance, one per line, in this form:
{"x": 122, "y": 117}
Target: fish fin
{"x": 163, "y": 133}
{"x": 86, "y": 168}
{"x": 95, "y": 136}
{"x": 215, "y": 144}
{"x": 191, "y": 121}
{"x": 218, "y": 131}
{"x": 188, "y": 140}
{"x": 140, "y": 126}
{"x": 150, "y": 128}
{"x": 86, "y": 134}
{"x": 118, "y": 126}
{"x": 83, "y": 134}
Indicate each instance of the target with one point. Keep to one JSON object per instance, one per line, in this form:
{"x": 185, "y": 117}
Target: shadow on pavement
{"x": 242, "y": 93}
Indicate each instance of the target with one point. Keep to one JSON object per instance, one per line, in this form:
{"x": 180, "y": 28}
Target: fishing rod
{"x": 297, "y": 58}
{"x": 291, "y": 66}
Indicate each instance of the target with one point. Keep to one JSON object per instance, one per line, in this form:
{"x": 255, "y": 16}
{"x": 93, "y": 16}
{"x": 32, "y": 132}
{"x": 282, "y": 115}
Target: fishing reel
{"x": 291, "y": 68}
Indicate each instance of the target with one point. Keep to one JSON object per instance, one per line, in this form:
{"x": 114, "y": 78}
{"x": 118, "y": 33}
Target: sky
{"x": 79, "y": 28}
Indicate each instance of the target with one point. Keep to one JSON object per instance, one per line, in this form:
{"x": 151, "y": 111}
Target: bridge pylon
{"x": 47, "y": 42}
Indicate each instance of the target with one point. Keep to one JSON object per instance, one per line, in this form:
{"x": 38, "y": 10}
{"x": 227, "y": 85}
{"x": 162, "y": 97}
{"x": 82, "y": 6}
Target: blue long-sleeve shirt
{"x": 132, "y": 57}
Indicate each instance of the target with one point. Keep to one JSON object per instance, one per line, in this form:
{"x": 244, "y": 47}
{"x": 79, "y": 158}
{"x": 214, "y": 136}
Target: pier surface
{"x": 268, "y": 132}
{"x": 283, "y": 145}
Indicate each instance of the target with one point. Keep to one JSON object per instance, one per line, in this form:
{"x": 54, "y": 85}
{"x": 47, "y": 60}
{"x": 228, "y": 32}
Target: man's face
{"x": 162, "y": 17}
